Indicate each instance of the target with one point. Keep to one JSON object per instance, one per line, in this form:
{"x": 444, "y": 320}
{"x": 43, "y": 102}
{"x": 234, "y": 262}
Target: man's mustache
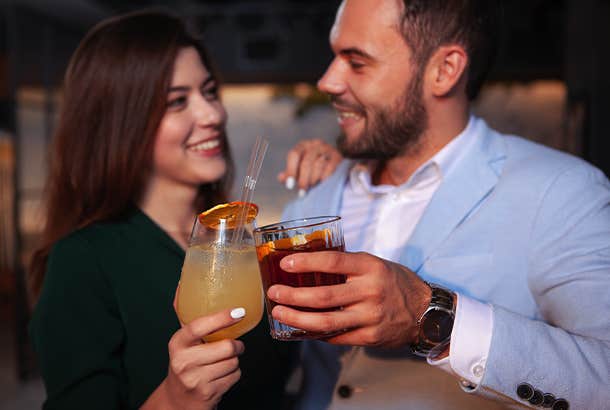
{"x": 341, "y": 103}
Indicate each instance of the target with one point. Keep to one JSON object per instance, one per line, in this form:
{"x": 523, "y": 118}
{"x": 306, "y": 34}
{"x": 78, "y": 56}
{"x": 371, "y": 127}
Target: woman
{"x": 140, "y": 148}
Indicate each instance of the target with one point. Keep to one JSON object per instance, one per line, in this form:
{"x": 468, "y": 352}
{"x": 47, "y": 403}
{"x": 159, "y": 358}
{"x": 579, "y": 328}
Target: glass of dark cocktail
{"x": 275, "y": 241}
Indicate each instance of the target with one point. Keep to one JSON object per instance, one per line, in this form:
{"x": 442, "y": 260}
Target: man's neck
{"x": 398, "y": 170}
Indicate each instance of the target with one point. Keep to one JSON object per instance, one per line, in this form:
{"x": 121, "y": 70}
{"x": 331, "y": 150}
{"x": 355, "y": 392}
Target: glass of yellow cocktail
{"x": 219, "y": 272}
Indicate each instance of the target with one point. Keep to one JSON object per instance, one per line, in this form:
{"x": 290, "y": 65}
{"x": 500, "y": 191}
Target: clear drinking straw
{"x": 247, "y": 190}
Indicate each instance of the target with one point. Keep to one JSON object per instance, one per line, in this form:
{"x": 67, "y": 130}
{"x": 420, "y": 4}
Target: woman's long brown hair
{"x": 114, "y": 98}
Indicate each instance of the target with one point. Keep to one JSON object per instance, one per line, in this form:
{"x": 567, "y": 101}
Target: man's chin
{"x": 356, "y": 149}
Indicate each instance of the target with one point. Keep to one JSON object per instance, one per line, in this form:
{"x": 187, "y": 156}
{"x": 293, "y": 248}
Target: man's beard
{"x": 391, "y": 131}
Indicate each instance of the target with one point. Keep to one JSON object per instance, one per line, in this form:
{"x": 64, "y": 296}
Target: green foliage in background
{"x": 307, "y": 96}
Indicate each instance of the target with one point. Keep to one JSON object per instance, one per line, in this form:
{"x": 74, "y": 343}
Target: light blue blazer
{"x": 522, "y": 227}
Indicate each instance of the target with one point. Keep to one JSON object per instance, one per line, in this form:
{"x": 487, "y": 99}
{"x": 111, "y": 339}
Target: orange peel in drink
{"x": 229, "y": 212}
{"x": 288, "y": 243}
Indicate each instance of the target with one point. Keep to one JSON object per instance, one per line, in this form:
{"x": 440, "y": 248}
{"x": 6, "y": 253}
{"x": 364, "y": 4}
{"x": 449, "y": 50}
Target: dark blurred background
{"x": 549, "y": 84}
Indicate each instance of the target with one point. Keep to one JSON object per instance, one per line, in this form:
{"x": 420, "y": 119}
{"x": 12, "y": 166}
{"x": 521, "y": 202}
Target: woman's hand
{"x": 308, "y": 163}
{"x": 199, "y": 373}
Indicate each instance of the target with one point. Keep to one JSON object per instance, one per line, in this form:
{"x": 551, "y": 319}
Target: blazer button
{"x": 547, "y": 400}
{"x": 561, "y": 404}
{"x": 344, "y": 391}
{"x": 525, "y": 391}
{"x": 537, "y": 398}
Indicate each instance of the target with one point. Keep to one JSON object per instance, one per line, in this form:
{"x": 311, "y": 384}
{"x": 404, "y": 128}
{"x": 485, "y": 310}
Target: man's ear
{"x": 446, "y": 70}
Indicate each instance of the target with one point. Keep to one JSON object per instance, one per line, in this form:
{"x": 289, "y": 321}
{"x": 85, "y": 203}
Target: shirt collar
{"x": 439, "y": 166}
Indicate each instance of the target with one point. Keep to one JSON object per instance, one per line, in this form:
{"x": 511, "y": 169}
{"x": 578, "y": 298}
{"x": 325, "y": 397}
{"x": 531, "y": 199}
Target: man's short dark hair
{"x": 474, "y": 24}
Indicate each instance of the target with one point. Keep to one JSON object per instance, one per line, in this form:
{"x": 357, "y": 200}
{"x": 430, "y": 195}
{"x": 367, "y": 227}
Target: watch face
{"x": 436, "y": 326}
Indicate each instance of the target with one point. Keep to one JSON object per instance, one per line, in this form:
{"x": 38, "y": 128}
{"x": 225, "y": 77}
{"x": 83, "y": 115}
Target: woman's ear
{"x": 447, "y": 70}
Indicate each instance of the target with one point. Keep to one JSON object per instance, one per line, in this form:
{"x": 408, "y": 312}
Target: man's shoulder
{"x": 520, "y": 148}
{"x": 528, "y": 163}
{"x": 531, "y": 157}
{"x": 324, "y": 197}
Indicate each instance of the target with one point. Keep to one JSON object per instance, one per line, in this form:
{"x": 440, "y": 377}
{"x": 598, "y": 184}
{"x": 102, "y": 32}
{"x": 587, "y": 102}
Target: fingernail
{"x": 277, "y": 313}
{"x": 238, "y": 313}
{"x": 273, "y": 293}
{"x": 302, "y": 193}
{"x": 287, "y": 263}
{"x": 290, "y": 182}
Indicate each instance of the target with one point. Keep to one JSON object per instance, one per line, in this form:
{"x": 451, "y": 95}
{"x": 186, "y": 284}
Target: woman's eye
{"x": 176, "y": 102}
{"x": 210, "y": 93}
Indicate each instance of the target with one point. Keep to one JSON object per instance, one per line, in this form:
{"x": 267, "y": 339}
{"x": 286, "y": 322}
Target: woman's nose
{"x": 209, "y": 114}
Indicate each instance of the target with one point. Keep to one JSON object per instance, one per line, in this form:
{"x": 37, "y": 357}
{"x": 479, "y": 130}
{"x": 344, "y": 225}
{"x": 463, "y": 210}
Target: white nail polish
{"x": 238, "y": 313}
{"x": 302, "y": 193}
{"x": 290, "y": 182}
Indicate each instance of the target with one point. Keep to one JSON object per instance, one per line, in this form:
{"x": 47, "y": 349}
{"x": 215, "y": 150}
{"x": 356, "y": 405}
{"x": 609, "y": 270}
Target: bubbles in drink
{"x": 220, "y": 277}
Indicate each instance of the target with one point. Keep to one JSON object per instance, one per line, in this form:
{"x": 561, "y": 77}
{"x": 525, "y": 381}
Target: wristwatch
{"x": 436, "y": 323}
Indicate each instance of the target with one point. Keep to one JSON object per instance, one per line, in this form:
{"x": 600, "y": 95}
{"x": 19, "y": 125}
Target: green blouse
{"x": 105, "y": 316}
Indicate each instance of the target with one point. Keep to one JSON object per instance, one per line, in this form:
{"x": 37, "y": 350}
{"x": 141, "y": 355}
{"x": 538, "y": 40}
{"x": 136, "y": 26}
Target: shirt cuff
{"x": 470, "y": 341}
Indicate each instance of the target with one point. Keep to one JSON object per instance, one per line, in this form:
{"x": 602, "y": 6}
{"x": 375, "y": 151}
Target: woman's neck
{"x": 172, "y": 207}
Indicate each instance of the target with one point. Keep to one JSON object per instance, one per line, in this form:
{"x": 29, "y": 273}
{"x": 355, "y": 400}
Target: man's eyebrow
{"x": 355, "y": 51}
{"x": 209, "y": 79}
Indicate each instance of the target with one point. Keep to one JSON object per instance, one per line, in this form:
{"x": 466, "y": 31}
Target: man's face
{"x": 374, "y": 85}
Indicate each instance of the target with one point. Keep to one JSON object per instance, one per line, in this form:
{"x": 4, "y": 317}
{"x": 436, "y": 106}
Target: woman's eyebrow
{"x": 209, "y": 79}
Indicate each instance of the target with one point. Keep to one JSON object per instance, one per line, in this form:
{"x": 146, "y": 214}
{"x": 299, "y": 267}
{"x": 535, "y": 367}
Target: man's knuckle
{"x": 377, "y": 314}
{"x": 376, "y": 289}
{"x": 336, "y": 261}
{"x": 378, "y": 266}
{"x": 325, "y": 296}
{"x": 329, "y": 322}
{"x": 372, "y": 336}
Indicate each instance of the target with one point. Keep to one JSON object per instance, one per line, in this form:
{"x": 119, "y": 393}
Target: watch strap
{"x": 441, "y": 299}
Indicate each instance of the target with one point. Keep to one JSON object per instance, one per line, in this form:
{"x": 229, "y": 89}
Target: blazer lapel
{"x": 457, "y": 196}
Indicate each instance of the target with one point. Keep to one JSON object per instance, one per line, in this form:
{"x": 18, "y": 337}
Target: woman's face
{"x": 189, "y": 143}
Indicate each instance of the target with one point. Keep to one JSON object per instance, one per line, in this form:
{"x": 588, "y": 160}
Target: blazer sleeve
{"x": 77, "y": 331}
{"x": 566, "y": 350}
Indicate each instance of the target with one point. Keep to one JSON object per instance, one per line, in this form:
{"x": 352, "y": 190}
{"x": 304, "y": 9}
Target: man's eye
{"x": 356, "y": 64}
{"x": 176, "y": 102}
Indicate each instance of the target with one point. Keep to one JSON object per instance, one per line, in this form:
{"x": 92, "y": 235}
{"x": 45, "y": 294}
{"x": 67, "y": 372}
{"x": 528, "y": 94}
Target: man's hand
{"x": 308, "y": 163}
{"x": 381, "y": 301}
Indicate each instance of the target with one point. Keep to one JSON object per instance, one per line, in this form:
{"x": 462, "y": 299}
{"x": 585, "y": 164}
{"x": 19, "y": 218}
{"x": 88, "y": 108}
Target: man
{"x": 487, "y": 254}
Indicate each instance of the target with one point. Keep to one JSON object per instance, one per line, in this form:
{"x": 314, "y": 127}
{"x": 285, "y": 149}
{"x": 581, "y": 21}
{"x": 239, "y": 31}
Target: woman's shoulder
{"x": 98, "y": 235}
{"x": 89, "y": 244}
{"x": 76, "y": 270}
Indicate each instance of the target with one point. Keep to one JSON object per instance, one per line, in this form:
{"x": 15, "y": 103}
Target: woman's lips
{"x": 208, "y": 147}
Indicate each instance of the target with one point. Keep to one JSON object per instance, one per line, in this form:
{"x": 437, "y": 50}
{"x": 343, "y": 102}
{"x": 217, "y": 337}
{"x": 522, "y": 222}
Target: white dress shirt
{"x": 380, "y": 219}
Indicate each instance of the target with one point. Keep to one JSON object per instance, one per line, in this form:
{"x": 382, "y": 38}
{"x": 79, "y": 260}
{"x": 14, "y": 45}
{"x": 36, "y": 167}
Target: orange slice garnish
{"x": 288, "y": 243}
{"x": 229, "y": 212}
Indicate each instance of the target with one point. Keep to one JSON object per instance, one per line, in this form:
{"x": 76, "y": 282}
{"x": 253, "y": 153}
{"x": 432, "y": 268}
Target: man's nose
{"x": 332, "y": 81}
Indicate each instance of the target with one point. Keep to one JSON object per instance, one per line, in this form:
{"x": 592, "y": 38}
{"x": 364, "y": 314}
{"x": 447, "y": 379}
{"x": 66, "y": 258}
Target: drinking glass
{"x": 218, "y": 274}
{"x": 275, "y": 241}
